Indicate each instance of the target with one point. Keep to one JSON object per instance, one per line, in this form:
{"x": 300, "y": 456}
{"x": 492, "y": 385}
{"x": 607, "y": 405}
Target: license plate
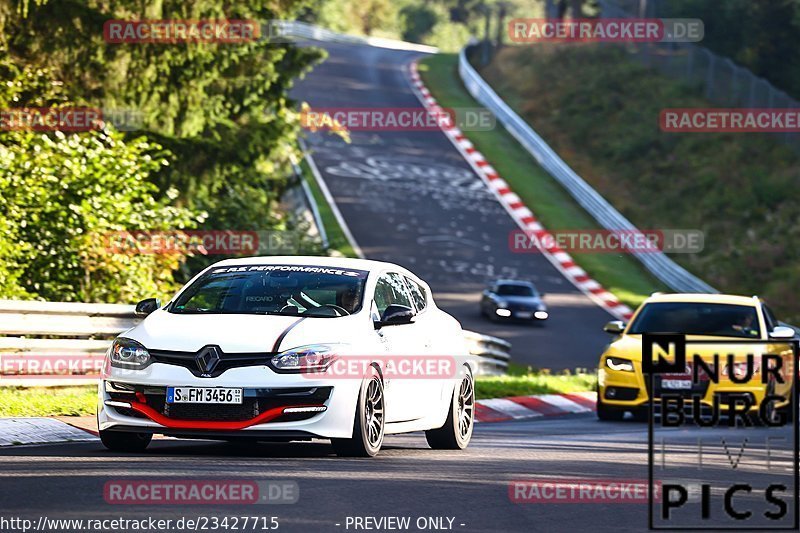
{"x": 676, "y": 384}
{"x": 525, "y": 314}
{"x": 203, "y": 395}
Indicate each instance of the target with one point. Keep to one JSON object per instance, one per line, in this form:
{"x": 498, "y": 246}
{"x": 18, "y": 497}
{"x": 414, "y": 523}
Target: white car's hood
{"x": 233, "y": 333}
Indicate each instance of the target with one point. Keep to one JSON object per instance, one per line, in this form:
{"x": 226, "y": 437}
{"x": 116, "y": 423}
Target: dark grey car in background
{"x": 507, "y": 299}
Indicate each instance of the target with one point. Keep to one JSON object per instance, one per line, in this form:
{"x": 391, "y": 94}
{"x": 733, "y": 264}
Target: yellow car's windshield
{"x": 693, "y": 318}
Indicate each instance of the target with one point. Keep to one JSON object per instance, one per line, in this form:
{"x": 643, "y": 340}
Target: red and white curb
{"x": 521, "y": 214}
{"x": 539, "y": 405}
{"x": 14, "y": 431}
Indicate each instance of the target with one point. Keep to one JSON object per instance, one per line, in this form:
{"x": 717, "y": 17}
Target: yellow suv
{"x": 622, "y": 386}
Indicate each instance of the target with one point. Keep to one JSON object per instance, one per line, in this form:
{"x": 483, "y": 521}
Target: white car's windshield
{"x": 722, "y": 320}
{"x": 303, "y": 290}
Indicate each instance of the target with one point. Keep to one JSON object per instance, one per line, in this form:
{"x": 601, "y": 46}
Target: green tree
{"x": 62, "y": 198}
{"x": 217, "y": 137}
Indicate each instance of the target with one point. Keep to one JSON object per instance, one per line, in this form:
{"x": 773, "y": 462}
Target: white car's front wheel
{"x": 456, "y": 432}
{"x": 123, "y": 441}
{"x": 369, "y": 423}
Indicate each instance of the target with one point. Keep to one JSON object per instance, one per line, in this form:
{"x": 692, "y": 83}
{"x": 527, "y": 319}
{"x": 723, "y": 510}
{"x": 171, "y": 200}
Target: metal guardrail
{"x": 494, "y": 353}
{"x": 661, "y": 266}
{"x": 299, "y": 202}
{"x": 57, "y": 343}
{"x": 56, "y": 338}
{"x": 303, "y": 30}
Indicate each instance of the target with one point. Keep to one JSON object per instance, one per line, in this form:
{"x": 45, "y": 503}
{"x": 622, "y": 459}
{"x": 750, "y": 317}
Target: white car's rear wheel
{"x": 369, "y": 423}
{"x": 456, "y": 432}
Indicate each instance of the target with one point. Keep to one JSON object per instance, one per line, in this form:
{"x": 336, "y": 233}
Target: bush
{"x": 60, "y": 197}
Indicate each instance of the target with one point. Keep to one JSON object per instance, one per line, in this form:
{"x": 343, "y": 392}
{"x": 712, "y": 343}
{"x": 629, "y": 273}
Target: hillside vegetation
{"x": 599, "y": 110}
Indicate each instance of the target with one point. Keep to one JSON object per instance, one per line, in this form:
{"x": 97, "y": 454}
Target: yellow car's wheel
{"x": 608, "y": 412}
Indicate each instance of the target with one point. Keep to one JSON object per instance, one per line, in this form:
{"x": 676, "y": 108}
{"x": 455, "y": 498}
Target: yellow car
{"x": 622, "y": 387}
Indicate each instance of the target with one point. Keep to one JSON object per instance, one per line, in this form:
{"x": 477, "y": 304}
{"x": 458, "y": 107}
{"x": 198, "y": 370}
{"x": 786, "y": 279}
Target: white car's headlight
{"x": 621, "y": 365}
{"x": 308, "y": 358}
{"x": 127, "y": 353}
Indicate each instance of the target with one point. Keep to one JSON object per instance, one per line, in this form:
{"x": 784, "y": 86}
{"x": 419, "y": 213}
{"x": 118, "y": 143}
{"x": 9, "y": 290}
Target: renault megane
{"x": 291, "y": 348}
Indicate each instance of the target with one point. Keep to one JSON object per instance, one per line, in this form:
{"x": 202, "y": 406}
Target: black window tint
{"x": 281, "y": 289}
{"x": 771, "y": 320}
{"x": 417, "y": 294}
{"x": 690, "y": 318}
{"x": 514, "y": 290}
{"x": 390, "y": 289}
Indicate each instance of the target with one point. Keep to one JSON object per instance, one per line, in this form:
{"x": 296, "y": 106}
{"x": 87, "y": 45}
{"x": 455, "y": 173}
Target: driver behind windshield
{"x": 273, "y": 292}
{"x": 744, "y": 325}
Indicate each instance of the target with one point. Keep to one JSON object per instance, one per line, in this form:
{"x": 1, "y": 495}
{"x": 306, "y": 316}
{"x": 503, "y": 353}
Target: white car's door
{"x": 404, "y": 343}
{"x": 436, "y": 386}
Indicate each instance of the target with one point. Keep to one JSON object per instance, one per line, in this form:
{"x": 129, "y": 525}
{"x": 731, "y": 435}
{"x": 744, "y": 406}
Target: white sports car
{"x": 291, "y": 348}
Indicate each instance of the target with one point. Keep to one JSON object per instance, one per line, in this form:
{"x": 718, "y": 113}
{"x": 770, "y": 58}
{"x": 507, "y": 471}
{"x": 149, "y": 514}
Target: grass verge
{"x": 532, "y": 383}
{"x": 337, "y": 240}
{"x": 48, "y": 401}
{"x": 623, "y": 275}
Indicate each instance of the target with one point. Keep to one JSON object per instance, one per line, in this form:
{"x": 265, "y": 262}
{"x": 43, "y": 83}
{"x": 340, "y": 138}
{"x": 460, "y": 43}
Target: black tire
{"x": 369, "y": 423}
{"x": 641, "y": 414}
{"x": 772, "y": 413}
{"x": 456, "y": 432}
{"x": 607, "y": 412}
{"x": 123, "y": 441}
{"x": 786, "y": 410}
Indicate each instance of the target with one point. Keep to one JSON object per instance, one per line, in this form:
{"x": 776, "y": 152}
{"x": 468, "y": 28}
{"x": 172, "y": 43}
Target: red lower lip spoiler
{"x": 157, "y": 417}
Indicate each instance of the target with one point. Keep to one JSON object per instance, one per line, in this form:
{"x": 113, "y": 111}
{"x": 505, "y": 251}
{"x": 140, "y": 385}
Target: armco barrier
{"x": 44, "y": 331}
{"x": 494, "y": 353}
{"x": 57, "y": 331}
{"x": 303, "y": 30}
{"x": 661, "y": 266}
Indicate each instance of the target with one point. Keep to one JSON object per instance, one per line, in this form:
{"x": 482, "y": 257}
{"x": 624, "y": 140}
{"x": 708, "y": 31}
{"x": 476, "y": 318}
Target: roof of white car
{"x": 313, "y": 260}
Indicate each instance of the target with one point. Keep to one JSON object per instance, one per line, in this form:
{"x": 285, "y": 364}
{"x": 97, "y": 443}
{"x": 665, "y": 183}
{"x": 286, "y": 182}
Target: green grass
{"x": 524, "y": 384}
{"x": 621, "y": 274}
{"x": 48, "y": 401}
{"x": 337, "y": 240}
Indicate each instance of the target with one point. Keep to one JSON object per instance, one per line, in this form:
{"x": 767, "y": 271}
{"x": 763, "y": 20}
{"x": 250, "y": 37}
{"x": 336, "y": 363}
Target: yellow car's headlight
{"x": 618, "y": 364}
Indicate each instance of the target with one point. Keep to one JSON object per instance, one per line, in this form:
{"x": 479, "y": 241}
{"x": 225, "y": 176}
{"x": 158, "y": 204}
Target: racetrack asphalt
{"x": 406, "y": 479}
{"x": 409, "y": 197}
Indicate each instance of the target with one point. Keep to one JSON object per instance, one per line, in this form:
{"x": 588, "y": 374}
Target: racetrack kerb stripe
{"x": 521, "y": 214}
{"x": 535, "y": 406}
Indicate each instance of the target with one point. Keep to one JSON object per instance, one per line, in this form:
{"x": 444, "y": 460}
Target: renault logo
{"x": 207, "y": 359}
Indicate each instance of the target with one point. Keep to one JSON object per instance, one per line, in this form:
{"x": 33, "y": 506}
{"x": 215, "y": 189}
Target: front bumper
{"x": 630, "y": 390}
{"x": 290, "y": 404}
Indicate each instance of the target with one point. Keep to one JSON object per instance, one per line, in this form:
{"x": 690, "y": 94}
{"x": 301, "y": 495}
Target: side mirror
{"x": 145, "y": 307}
{"x": 782, "y": 332}
{"x": 615, "y": 327}
{"x": 394, "y": 315}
